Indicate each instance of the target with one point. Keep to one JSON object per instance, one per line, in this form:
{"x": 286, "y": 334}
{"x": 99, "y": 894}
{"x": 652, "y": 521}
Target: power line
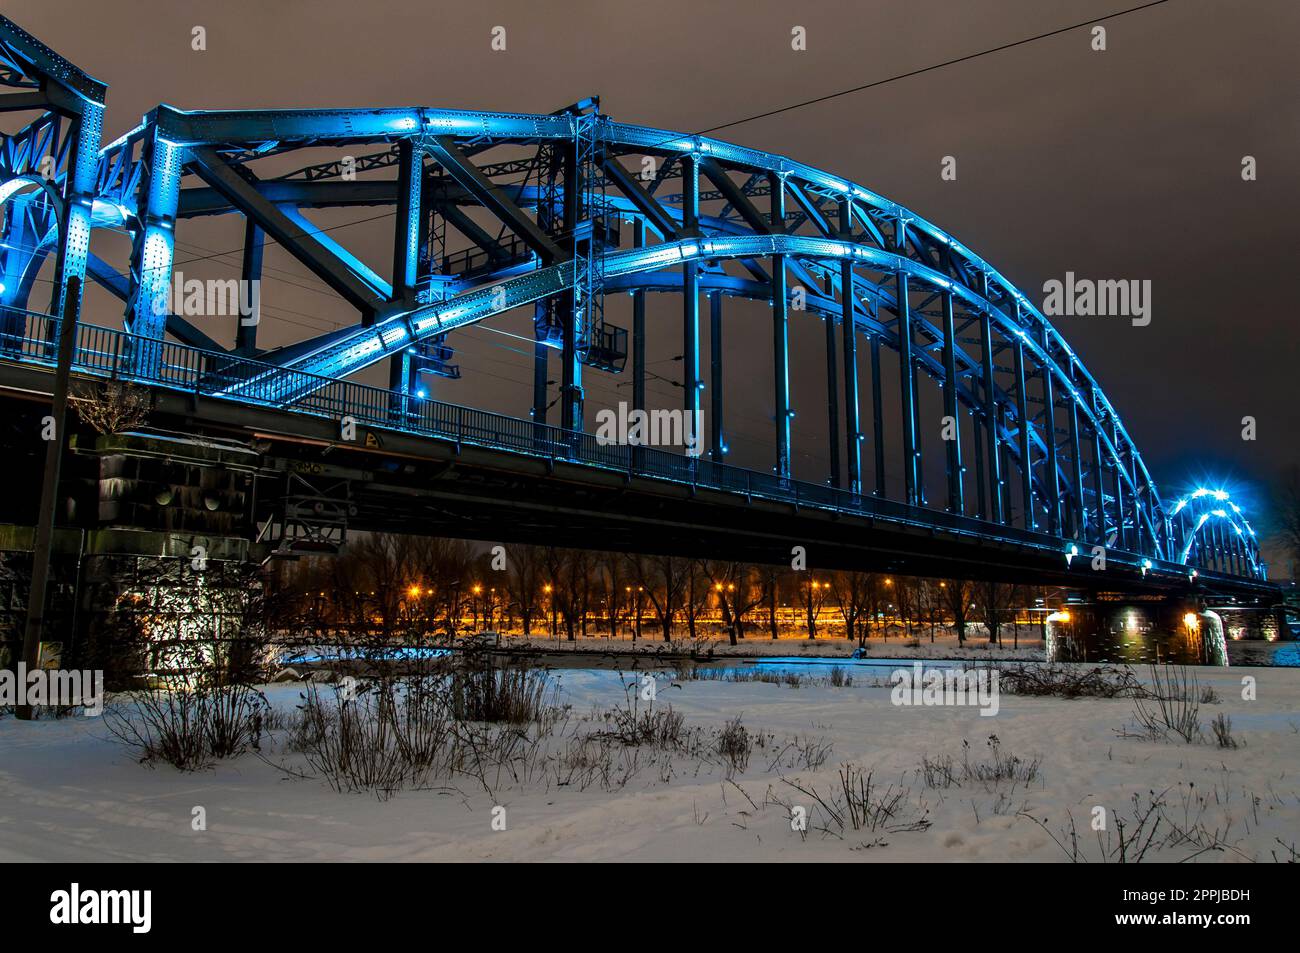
{"x": 928, "y": 69}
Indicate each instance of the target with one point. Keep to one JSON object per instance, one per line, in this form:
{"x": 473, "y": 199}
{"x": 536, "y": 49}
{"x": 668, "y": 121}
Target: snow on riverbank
{"x": 69, "y": 792}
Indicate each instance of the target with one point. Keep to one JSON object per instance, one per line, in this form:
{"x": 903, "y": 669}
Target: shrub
{"x": 188, "y": 723}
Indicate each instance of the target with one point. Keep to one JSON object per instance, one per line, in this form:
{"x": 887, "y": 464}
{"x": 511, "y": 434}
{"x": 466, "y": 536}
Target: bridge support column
{"x": 956, "y": 503}
{"x": 852, "y": 420}
{"x": 719, "y": 445}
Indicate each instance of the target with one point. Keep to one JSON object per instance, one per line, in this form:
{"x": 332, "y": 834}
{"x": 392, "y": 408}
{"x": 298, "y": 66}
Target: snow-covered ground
{"x": 69, "y": 792}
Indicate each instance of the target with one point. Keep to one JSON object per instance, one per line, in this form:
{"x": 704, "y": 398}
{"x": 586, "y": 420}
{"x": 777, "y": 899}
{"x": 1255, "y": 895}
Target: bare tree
{"x": 1286, "y": 506}
{"x": 696, "y": 595}
{"x": 526, "y": 570}
{"x": 612, "y": 570}
{"x": 815, "y": 592}
{"x": 993, "y": 599}
{"x": 851, "y": 592}
{"x": 957, "y": 599}
{"x": 663, "y": 579}
{"x": 770, "y": 589}
{"x": 737, "y": 591}
{"x": 111, "y": 406}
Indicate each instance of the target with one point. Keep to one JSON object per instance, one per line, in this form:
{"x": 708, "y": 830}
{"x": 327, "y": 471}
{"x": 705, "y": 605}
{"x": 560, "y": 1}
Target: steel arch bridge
{"x": 499, "y": 211}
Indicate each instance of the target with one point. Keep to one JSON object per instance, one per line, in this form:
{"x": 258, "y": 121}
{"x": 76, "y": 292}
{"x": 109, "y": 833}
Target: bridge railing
{"x": 115, "y": 354}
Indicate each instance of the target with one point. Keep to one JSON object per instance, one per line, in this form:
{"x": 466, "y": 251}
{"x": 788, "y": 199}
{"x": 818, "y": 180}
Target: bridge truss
{"x": 583, "y": 206}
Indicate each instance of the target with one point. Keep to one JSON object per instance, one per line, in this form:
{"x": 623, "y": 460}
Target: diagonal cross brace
{"x": 473, "y": 181}
{"x": 291, "y": 235}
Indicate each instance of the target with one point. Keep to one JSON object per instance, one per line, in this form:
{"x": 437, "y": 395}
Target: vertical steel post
{"x": 406, "y": 232}
{"x": 1052, "y": 480}
{"x": 638, "y": 328}
{"x": 719, "y": 446}
{"x": 541, "y": 360}
{"x": 1004, "y": 467}
{"x": 1117, "y": 470}
{"x": 991, "y": 414}
{"x": 79, "y": 194}
{"x": 877, "y": 418}
{"x": 780, "y": 334}
{"x": 1078, "y": 515}
{"x": 1098, "y": 486}
{"x": 1026, "y": 448}
{"x": 852, "y": 418}
{"x": 832, "y": 392}
{"x": 406, "y": 254}
{"x": 907, "y": 381}
{"x": 1136, "y": 497}
{"x": 691, "y": 296}
{"x": 250, "y": 271}
{"x": 571, "y": 376}
{"x": 956, "y": 501}
{"x": 154, "y": 250}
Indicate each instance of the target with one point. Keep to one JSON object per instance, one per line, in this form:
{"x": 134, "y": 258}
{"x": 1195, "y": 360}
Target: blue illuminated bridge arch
{"x": 498, "y": 211}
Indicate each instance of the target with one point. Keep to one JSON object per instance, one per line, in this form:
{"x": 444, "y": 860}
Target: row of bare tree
{"x": 395, "y": 584}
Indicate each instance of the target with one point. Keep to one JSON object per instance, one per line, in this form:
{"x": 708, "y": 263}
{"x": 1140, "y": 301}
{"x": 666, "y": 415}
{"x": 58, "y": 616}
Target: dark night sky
{"x": 1122, "y": 164}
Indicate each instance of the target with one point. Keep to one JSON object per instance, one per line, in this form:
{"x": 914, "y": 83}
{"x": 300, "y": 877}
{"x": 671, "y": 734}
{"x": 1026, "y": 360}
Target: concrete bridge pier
{"x": 1135, "y": 629}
